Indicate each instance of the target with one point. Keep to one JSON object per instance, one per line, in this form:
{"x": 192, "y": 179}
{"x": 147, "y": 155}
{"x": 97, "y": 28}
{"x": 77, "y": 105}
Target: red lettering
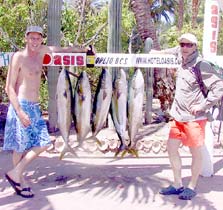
{"x": 57, "y": 60}
{"x": 213, "y": 47}
{"x": 63, "y": 59}
{"x": 66, "y": 60}
{"x": 214, "y": 9}
{"x": 47, "y": 59}
{"x": 80, "y": 60}
{"x": 73, "y": 60}
{"x": 213, "y": 35}
{"x": 214, "y": 22}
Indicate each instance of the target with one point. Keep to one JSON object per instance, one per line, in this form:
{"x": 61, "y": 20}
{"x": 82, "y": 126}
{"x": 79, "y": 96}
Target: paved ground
{"x": 102, "y": 182}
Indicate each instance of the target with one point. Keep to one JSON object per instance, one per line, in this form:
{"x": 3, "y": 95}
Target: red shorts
{"x": 191, "y": 134}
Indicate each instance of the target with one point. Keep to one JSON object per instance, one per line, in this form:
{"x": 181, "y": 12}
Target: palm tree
{"x": 145, "y": 24}
{"x": 147, "y": 13}
{"x": 195, "y": 7}
{"x": 180, "y": 15}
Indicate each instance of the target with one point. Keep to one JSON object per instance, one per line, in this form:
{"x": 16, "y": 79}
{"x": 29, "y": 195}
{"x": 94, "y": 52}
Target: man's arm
{"x": 13, "y": 71}
{"x": 214, "y": 84}
{"x": 173, "y": 51}
{"x": 72, "y": 49}
{"x": 10, "y": 88}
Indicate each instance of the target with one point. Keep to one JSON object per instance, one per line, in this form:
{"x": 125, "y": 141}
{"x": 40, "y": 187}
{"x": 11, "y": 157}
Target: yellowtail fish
{"x": 135, "y": 105}
{"x": 63, "y": 99}
{"x": 102, "y": 101}
{"x": 119, "y": 108}
{"x": 82, "y": 107}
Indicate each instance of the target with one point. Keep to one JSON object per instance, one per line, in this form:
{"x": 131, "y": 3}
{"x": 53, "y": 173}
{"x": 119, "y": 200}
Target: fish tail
{"x": 93, "y": 137}
{"x": 67, "y": 148}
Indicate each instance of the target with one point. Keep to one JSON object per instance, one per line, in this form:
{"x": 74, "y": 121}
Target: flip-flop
{"x": 16, "y": 186}
{"x": 187, "y": 194}
{"x": 171, "y": 190}
{"x": 26, "y": 189}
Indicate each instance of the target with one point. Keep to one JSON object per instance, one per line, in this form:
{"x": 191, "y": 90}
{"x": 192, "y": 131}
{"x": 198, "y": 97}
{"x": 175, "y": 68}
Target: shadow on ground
{"x": 130, "y": 183}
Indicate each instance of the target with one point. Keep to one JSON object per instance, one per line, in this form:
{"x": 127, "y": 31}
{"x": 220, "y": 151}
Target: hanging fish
{"x": 135, "y": 105}
{"x": 119, "y": 108}
{"x": 63, "y": 99}
{"x": 82, "y": 107}
{"x": 102, "y": 101}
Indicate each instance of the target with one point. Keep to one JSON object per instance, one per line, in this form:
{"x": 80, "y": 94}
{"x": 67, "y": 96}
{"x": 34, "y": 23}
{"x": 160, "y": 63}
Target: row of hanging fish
{"x": 124, "y": 102}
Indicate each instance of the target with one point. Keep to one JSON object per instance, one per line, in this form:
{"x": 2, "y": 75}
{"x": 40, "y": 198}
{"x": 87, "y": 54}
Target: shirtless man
{"x": 25, "y": 131}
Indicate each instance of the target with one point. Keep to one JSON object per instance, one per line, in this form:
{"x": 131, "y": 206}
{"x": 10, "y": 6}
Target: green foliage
{"x": 128, "y": 24}
{"x": 16, "y": 15}
{"x": 3, "y": 74}
{"x": 220, "y": 36}
{"x": 14, "y": 18}
{"x": 44, "y": 95}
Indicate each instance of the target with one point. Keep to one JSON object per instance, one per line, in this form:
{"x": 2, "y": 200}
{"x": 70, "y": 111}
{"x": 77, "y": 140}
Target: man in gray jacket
{"x": 189, "y": 111}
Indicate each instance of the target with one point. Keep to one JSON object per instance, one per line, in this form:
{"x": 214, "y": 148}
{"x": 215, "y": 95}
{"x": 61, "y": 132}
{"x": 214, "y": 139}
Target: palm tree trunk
{"x": 195, "y": 7}
{"x": 180, "y": 15}
{"x": 145, "y": 24}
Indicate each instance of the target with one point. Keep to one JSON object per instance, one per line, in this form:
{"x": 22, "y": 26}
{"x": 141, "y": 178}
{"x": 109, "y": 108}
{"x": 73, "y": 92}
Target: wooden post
{"x": 114, "y": 28}
{"x": 114, "y": 35}
{"x": 53, "y": 34}
{"x": 148, "y": 85}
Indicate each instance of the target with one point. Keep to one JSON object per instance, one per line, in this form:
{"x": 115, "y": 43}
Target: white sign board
{"x": 105, "y": 60}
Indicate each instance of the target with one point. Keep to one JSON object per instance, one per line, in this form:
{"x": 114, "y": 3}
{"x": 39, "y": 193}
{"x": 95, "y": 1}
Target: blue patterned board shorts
{"x": 19, "y": 138}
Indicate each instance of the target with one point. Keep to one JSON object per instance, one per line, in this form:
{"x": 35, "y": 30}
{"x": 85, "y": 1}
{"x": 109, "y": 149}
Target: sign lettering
{"x": 110, "y": 60}
{"x": 211, "y": 28}
{"x": 65, "y": 59}
{"x": 5, "y": 58}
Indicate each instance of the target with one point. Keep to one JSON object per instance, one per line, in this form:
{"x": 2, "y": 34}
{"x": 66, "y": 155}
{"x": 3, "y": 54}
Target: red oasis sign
{"x": 65, "y": 59}
{"x": 214, "y": 27}
{"x": 211, "y": 27}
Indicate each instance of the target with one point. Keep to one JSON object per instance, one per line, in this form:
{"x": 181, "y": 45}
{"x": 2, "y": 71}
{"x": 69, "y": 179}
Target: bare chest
{"x": 32, "y": 67}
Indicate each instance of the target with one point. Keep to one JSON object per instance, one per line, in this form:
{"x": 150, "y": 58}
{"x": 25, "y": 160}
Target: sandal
{"x": 17, "y": 187}
{"x": 187, "y": 194}
{"x": 24, "y": 195}
{"x": 171, "y": 190}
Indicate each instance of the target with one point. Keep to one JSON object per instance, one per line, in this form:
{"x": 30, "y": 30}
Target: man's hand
{"x": 24, "y": 118}
{"x": 196, "y": 109}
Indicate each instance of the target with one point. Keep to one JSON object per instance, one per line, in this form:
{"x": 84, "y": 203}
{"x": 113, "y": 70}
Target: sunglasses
{"x": 187, "y": 45}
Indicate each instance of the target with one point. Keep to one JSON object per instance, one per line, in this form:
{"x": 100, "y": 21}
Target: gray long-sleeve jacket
{"x": 188, "y": 92}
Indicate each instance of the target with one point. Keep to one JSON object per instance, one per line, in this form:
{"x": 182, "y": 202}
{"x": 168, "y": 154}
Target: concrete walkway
{"x": 106, "y": 183}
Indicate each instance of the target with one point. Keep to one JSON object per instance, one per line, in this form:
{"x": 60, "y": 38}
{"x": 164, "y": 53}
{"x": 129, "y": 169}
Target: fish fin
{"x": 94, "y": 138}
{"x": 131, "y": 151}
{"x": 123, "y": 153}
{"x": 119, "y": 150}
{"x": 134, "y": 152}
{"x": 67, "y": 148}
{"x": 117, "y": 153}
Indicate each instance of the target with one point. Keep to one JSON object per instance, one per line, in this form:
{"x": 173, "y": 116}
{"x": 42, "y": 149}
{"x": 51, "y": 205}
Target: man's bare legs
{"x": 20, "y": 162}
{"x": 195, "y": 166}
{"x": 16, "y": 157}
{"x": 175, "y": 161}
